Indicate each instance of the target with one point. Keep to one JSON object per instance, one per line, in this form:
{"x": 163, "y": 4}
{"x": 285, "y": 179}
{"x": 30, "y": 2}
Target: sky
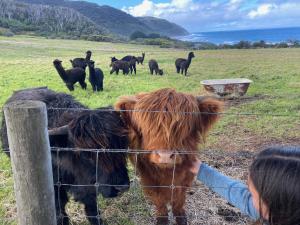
{"x": 215, "y": 15}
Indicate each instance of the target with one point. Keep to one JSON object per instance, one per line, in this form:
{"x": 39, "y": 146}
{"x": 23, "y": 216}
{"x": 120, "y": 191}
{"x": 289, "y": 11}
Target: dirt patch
{"x": 234, "y": 102}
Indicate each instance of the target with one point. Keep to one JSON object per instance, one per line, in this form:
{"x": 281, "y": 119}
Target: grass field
{"x": 273, "y": 99}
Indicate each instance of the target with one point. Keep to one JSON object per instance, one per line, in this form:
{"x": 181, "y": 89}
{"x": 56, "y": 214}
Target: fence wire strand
{"x": 193, "y": 215}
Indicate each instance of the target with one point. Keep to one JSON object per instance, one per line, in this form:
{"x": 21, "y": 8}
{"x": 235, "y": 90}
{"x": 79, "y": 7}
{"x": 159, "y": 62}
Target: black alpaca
{"x": 140, "y": 60}
{"x": 184, "y": 64}
{"x": 96, "y": 76}
{"x": 153, "y": 66}
{"x": 71, "y": 128}
{"x": 132, "y": 60}
{"x": 71, "y": 76}
{"x": 118, "y": 65}
{"x": 81, "y": 62}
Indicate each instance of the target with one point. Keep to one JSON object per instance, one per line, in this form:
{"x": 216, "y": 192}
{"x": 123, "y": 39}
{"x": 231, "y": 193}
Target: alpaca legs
{"x": 151, "y": 71}
{"x": 83, "y": 84}
{"x": 178, "y": 69}
{"x": 70, "y": 86}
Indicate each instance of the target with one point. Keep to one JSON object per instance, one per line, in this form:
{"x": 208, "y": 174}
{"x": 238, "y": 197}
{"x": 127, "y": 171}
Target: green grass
{"x": 27, "y": 62}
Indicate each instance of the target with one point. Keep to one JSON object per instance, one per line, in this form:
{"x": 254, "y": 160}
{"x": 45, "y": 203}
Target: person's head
{"x": 274, "y": 181}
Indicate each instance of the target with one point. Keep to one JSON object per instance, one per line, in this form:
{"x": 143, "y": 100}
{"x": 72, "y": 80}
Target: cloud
{"x": 207, "y": 15}
{"x": 149, "y": 8}
{"x": 262, "y": 10}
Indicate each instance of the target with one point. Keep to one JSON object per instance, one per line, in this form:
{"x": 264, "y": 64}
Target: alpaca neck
{"x": 143, "y": 57}
{"x": 62, "y": 73}
{"x": 189, "y": 60}
{"x": 92, "y": 71}
{"x": 88, "y": 58}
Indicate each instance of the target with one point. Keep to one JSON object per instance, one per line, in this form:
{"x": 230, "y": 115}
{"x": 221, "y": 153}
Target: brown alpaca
{"x": 170, "y": 122}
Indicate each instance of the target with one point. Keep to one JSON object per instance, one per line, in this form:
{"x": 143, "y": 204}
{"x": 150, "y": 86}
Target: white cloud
{"x": 207, "y": 15}
{"x": 149, "y": 8}
{"x": 261, "y": 10}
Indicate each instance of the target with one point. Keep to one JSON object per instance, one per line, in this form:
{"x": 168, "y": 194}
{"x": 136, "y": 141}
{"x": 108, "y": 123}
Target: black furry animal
{"x": 140, "y": 60}
{"x": 184, "y": 64}
{"x": 71, "y": 76}
{"x": 153, "y": 66}
{"x": 96, "y": 76}
{"x": 120, "y": 65}
{"x": 132, "y": 60}
{"x": 81, "y": 62}
{"x": 69, "y": 128}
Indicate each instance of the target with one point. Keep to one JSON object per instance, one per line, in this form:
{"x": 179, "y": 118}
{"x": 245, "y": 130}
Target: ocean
{"x": 275, "y": 35}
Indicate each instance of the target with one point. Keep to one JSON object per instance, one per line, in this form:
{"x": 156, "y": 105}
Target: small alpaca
{"x": 153, "y": 66}
{"x": 120, "y": 65}
{"x": 132, "y": 60}
{"x": 81, "y": 62}
{"x": 71, "y": 76}
{"x": 96, "y": 76}
{"x": 184, "y": 64}
{"x": 140, "y": 60}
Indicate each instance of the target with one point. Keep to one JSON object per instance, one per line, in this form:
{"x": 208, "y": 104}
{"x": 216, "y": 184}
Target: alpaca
{"x": 184, "y": 64}
{"x": 163, "y": 123}
{"x": 132, "y": 60}
{"x": 140, "y": 60}
{"x": 81, "y": 62}
{"x": 70, "y": 128}
{"x": 153, "y": 66}
{"x": 120, "y": 65}
{"x": 96, "y": 76}
{"x": 71, "y": 76}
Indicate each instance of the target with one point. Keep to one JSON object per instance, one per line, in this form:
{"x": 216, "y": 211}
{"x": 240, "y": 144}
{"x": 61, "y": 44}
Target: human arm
{"x": 234, "y": 191}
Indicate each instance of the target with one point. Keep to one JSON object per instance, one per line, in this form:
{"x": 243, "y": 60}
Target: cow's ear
{"x": 59, "y": 136}
{"x": 210, "y": 109}
{"x": 126, "y": 105}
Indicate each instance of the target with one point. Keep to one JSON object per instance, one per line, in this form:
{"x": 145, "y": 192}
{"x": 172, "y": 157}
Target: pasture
{"x": 268, "y": 115}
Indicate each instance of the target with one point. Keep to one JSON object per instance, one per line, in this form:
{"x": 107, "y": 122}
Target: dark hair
{"x": 275, "y": 173}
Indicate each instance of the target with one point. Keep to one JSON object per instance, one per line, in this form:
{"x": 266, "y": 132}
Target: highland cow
{"x": 76, "y": 128}
{"x": 164, "y": 123}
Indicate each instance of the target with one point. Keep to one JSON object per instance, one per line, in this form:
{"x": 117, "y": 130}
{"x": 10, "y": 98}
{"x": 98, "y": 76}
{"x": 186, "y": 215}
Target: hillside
{"x": 164, "y": 27}
{"x": 46, "y": 20}
{"x": 115, "y": 20}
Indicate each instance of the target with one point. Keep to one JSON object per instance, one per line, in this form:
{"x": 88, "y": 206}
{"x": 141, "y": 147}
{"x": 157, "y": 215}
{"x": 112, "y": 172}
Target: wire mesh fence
{"x": 132, "y": 207}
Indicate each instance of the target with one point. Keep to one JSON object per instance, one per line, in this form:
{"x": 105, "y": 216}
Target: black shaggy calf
{"x": 71, "y": 76}
{"x": 153, "y": 66}
{"x": 96, "y": 76}
{"x": 74, "y": 169}
{"x": 81, "y": 62}
{"x": 119, "y": 65}
{"x": 184, "y": 64}
{"x": 140, "y": 60}
{"x": 132, "y": 60}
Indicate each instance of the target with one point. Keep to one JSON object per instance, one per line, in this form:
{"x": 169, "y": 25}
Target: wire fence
{"x": 202, "y": 205}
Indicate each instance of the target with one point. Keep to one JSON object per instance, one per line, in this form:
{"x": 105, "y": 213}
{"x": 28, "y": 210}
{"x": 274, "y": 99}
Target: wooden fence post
{"x": 31, "y": 162}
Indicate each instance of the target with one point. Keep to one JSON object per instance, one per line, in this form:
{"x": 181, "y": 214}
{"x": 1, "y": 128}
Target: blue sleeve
{"x": 234, "y": 191}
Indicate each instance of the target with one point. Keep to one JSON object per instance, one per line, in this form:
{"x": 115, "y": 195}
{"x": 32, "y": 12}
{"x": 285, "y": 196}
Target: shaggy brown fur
{"x": 181, "y": 124}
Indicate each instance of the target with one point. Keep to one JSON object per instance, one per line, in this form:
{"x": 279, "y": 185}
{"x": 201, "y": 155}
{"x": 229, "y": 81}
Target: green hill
{"x": 163, "y": 27}
{"x": 47, "y": 20}
{"x": 116, "y": 21}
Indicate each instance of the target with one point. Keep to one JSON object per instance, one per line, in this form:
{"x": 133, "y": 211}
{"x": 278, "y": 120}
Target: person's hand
{"x": 196, "y": 167}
